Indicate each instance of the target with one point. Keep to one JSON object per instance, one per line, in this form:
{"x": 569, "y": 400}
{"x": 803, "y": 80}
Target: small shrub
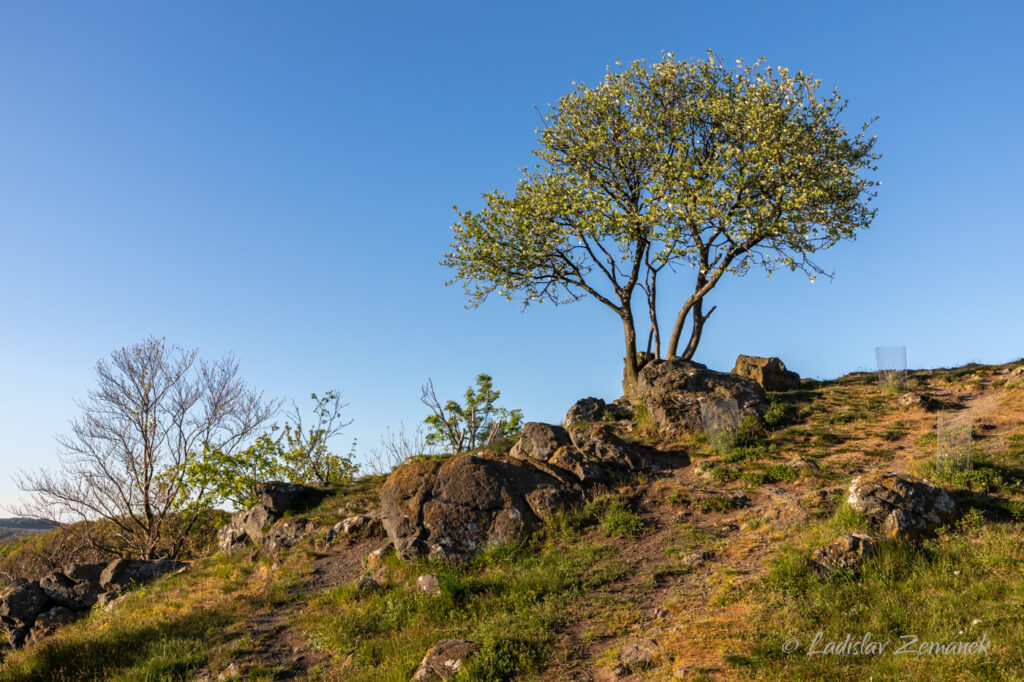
{"x": 782, "y": 472}
{"x": 619, "y": 520}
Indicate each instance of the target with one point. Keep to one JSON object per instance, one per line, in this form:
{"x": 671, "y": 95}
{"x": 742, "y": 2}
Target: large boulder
{"x": 246, "y": 527}
{"x": 48, "y": 621}
{"x": 78, "y": 592}
{"x": 451, "y": 508}
{"x": 280, "y": 497}
{"x": 594, "y": 409}
{"x": 672, "y": 391}
{"x": 771, "y": 373}
{"x": 287, "y": 533}
{"x": 445, "y": 659}
{"x": 600, "y": 444}
{"x": 903, "y": 506}
{"x": 122, "y": 575}
{"x": 539, "y": 441}
{"x": 21, "y": 603}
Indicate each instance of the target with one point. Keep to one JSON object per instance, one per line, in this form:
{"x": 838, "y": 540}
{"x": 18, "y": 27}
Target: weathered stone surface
{"x": 429, "y": 584}
{"x": 280, "y": 497}
{"x": 821, "y": 499}
{"x": 76, "y": 587}
{"x": 771, "y": 373}
{"x": 48, "y": 621}
{"x": 246, "y": 527}
{"x": 21, "y": 603}
{"x": 846, "y": 551}
{"x": 595, "y": 409}
{"x": 904, "y": 506}
{"x": 287, "y": 533}
{"x": 638, "y": 655}
{"x": 360, "y": 524}
{"x": 599, "y": 444}
{"x": 546, "y": 500}
{"x": 539, "y": 441}
{"x": 445, "y": 659}
{"x": 671, "y": 391}
{"x": 447, "y": 509}
{"x": 124, "y": 574}
{"x": 366, "y": 583}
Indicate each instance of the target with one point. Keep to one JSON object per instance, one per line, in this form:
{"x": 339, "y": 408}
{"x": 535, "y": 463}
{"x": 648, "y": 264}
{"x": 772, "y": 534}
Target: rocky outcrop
{"x": 539, "y": 441}
{"x": 32, "y": 610}
{"x": 771, "y": 373}
{"x": 126, "y": 574}
{"x": 280, "y": 497}
{"x": 844, "y": 552}
{"x": 445, "y": 659}
{"x": 450, "y": 508}
{"x": 594, "y": 410}
{"x": 902, "y": 506}
{"x": 274, "y": 499}
{"x": 672, "y": 391}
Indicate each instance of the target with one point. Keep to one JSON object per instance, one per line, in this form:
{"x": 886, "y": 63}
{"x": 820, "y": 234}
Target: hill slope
{"x": 696, "y": 569}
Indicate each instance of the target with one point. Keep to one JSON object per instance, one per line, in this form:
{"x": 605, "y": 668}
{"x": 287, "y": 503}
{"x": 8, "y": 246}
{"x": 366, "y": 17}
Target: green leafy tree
{"x": 478, "y": 421}
{"x": 679, "y": 164}
{"x": 294, "y": 452}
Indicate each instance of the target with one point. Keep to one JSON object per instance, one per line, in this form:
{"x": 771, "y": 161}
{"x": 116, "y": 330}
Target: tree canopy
{"x": 676, "y": 164}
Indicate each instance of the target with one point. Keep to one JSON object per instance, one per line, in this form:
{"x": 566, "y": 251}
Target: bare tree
{"x": 395, "y": 448}
{"x": 155, "y": 409}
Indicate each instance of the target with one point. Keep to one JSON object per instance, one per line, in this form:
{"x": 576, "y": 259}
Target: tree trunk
{"x": 698, "y": 328}
{"x": 629, "y": 375}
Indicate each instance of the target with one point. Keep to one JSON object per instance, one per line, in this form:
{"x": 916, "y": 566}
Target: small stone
{"x": 231, "y": 672}
{"x": 638, "y": 655}
{"x": 844, "y": 552}
{"x": 429, "y": 584}
{"x": 375, "y": 559}
{"x": 366, "y": 583}
{"x": 445, "y": 659}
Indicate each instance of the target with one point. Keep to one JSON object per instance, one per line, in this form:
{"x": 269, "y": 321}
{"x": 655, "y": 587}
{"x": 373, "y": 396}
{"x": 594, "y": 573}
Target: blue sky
{"x": 276, "y": 180}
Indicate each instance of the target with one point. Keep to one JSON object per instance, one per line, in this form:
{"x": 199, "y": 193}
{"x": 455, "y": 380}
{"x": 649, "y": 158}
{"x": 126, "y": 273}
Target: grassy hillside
{"x": 704, "y": 557}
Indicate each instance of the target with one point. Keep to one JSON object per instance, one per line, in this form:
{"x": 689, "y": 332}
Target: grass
{"x": 512, "y": 600}
{"x": 955, "y": 588}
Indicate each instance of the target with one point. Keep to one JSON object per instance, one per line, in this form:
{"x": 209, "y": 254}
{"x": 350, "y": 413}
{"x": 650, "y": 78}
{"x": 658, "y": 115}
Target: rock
{"x": 445, "y": 659}
{"x": 595, "y": 410}
{"x": 697, "y": 559}
{"x": 287, "y": 533}
{"x": 280, "y": 497}
{"x": 76, "y": 587}
{"x": 105, "y": 598}
{"x": 233, "y": 671}
{"x": 375, "y": 559}
{"x": 360, "y": 524}
{"x": 822, "y": 499}
{"x": 771, "y": 373}
{"x": 547, "y": 500}
{"x": 599, "y": 444}
{"x": 48, "y": 621}
{"x": 16, "y": 637}
{"x": 671, "y": 391}
{"x": 245, "y": 527}
{"x": 539, "y": 441}
{"x": 846, "y": 551}
{"x": 366, "y": 583}
{"x": 638, "y": 655}
{"x": 429, "y": 584}
{"x": 450, "y": 508}
{"x": 124, "y": 574}
{"x": 584, "y": 410}
{"x": 904, "y": 506}
{"x": 21, "y": 603}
